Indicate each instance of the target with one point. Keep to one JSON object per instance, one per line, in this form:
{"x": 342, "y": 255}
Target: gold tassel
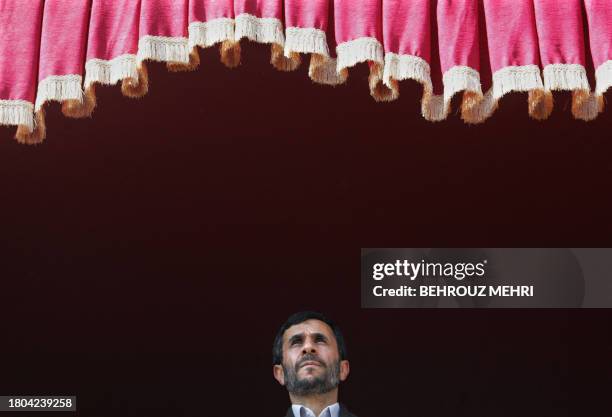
{"x": 586, "y": 105}
{"x": 194, "y": 63}
{"x": 136, "y": 88}
{"x": 378, "y": 90}
{"x": 323, "y": 70}
{"x": 23, "y": 134}
{"x": 230, "y": 53}
{"x": 77, "y": 109}
{"x": 471, "y": 108}
{"x": 281, "y": 62}
{"x": 540, "y": 104}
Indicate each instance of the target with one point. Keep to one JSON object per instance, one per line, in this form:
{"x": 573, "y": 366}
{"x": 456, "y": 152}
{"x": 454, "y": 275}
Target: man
{"x": 309, "y": 358}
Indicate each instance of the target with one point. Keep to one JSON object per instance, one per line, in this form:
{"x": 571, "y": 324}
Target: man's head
{"x": 309, "y": 356}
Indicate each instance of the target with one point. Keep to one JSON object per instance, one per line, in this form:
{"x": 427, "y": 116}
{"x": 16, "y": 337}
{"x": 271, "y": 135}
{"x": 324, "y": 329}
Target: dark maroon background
{"x": 150, "y": 253}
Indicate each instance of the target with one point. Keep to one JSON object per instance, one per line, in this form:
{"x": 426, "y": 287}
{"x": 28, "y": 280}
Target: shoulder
{"x": 344, "y": 412}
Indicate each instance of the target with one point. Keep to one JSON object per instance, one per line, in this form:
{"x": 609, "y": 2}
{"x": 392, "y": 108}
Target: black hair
{"x": 300, "y": 317}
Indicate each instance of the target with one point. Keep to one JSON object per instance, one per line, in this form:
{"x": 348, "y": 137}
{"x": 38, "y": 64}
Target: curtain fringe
{"x": 59, "y": 88}
{"x": 306, "y": 41}
{"x": 206, "y": 34}
{"x": 80, "y": 109}
{"x": 163, "y": 49}
{"x": 386, "y": 71}
{"x": 112, "y": 71}
{"x": 192, "y": 65}
{"x": 357, "y": 51}
{"x": 17, "y": 113}
{"x": 524, "y": 78}
{"x": 565, "y": 77}
{"x": 259, "y": 29}
{"x": 603, "y": 75}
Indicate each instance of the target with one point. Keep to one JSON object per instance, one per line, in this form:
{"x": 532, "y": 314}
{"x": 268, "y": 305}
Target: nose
{"x": 309, "y": 346}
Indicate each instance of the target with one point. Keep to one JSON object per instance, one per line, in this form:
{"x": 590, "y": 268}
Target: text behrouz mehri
{"x": 455, "y": 291}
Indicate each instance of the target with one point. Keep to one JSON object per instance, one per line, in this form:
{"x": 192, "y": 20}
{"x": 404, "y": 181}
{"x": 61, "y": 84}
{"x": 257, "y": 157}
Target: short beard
{"x": 320, "y": 385}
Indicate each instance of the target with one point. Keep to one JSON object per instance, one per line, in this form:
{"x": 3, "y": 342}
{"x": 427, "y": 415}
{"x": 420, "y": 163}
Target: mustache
{"x": 309, "y": 357}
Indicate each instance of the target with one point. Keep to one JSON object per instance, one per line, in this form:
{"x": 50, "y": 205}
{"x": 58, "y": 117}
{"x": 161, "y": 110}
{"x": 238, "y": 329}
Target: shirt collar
{"x": 332, "y": 410}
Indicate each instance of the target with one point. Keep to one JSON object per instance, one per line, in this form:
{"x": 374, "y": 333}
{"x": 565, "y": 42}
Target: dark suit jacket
{"x": 343, "y": 412}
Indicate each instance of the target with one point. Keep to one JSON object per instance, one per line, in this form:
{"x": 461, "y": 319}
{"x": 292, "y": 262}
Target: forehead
{"x": 309, "y": 327}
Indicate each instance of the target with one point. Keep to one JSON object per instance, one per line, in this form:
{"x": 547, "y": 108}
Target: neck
{"x": 316, "y": 402}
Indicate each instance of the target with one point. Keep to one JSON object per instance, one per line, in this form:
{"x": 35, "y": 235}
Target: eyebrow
{"x": 300, "y": 337}
{"x": 320, "y": 335}
{"x": 296, "y": 337}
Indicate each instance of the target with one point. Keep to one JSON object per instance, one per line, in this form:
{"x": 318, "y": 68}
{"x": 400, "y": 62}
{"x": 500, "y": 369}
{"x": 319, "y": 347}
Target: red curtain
{"x": 60, "y": 50}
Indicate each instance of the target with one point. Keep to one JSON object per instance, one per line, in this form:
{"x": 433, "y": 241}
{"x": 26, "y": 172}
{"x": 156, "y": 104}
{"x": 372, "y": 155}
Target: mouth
{"x": 310, "y": 363}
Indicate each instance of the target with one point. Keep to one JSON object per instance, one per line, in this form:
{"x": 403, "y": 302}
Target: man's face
{"x": 311, "y": 363}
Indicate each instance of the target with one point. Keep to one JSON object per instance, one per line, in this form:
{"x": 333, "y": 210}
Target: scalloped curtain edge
{"x": 59, "y": 88}
{"x": 519, "y": 78}
{"x": 460, "y": 78}
{"x": 259, "y": 29}
{"x": 164, "y": 49}
{"x": 586, "y": 105}
{"x": 17, "y": 113}
{"x": 406, "y": 67}
{"x": 111, "y": 71}
{"x": 526, "y": 78}
{"x": 324, "y": 69}
{"x": 306, "y": 41}
{"x": 565, "y": 77}
{"x": 603, "y": 75}
{"x": 359, "y": 50}
{"x": 206, "y": 34}
{"x": 457, "y": 79}
{"x": 516, "y": 78}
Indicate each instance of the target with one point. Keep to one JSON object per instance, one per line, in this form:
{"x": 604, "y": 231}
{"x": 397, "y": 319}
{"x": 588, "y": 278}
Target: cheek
{"x": 328, "y": 355}
{"x": 291, "y": 359}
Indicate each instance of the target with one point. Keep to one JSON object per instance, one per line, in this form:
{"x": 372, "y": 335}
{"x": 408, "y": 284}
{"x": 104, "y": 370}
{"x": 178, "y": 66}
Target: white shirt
{"x": 329, "y": 411}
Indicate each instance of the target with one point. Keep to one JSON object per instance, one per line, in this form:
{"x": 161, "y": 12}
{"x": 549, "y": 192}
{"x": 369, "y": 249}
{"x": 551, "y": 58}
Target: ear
{"x": 344, "y": 369}
{"x": 279, "y": 374}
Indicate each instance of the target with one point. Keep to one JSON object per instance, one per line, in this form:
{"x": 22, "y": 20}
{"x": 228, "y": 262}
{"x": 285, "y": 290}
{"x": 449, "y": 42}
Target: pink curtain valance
{"x": 60, "y": 50}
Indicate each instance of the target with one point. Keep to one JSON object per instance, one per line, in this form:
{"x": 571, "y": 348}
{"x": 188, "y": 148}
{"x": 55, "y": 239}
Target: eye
{"x": 320, "y": 339}
{"x": 295, "y": 342}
